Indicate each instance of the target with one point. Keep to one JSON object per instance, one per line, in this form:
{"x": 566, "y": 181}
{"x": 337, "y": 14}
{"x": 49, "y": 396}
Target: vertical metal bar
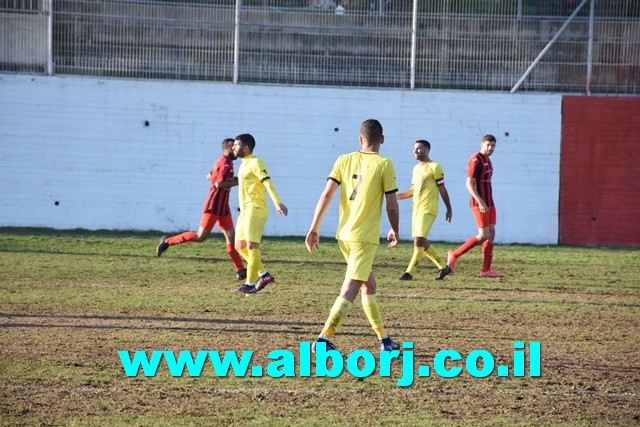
{"x": 546, "y": 48}
{"x": 590, "y": 49}
{"x": 49, "y": 69}
{"x": 414, "y": 31}
{"x": 236, "y": 42}
{"x": 519, "y": 9}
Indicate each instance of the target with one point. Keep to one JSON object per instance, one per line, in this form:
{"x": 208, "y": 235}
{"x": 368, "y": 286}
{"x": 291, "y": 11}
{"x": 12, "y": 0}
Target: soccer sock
{"x": 337, "y": 314}
{"x": 433, "y": 255}
{"x": 471, "y": 243}
{"x": 372, "y": 310}
{"x": 235, "y": 257}
{"x": 415, "y": 259}
{"x": 188, "y": 236}
{"x": 244, "y": 253}
{"x": 254, "y": 265}
{"x": 487, "y": 255}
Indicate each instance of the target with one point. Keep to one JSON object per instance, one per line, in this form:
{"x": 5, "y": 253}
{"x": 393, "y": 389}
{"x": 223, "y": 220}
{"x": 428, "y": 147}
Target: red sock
{"x": 471, "y": 243}
{"x": 235, "y": 256}
{"x": 185, "y": 237}
{"x": 487, "y": 254}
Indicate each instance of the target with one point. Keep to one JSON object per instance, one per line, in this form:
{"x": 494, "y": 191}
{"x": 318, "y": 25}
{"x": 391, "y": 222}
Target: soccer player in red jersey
{"x": 479, "y": 172}
{"x": 215, "y": 210}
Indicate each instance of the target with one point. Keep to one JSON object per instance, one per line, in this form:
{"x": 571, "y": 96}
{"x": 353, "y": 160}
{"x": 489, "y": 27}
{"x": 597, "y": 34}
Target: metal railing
{"x": 459, "y": 44}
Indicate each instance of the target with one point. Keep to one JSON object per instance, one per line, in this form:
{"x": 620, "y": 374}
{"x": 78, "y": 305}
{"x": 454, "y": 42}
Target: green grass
{"x": 69, "y": 300}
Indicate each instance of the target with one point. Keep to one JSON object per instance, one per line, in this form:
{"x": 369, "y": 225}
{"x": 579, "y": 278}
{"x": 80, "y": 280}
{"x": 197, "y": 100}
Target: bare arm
{"x": 232, "y": 182}
{"x": 405, "y": 195}
{"x": 313, "y": 240}
{"x": 471, "y": 187}
{"x": 445, "y": 198}
{"x": 393, "y": 213}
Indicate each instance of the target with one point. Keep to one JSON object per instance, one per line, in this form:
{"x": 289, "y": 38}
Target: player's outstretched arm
{"x": 405, "y": 194}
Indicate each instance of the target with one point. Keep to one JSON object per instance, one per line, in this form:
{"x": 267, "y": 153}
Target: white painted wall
{"x": 82, "y": 142}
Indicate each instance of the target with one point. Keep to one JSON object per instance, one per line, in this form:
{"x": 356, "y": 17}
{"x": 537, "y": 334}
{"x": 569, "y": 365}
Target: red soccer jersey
{"x": 480, "y": 168}
{"x": 217, "y": 202}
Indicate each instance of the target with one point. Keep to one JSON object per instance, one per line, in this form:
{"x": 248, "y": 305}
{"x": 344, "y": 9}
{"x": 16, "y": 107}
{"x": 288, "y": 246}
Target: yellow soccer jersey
{"x": 365, "y": 178}
{"x": 251, "y": 189}
{"x": 425, "y": 180}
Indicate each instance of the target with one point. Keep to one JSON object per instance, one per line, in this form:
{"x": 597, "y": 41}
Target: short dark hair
{"x": 226, "y": 141}
{"x": 424, "y": 142}
{"x": 489, "y": 137}
{"x": 371, "y": 130}
{"x": 247, "y": 140}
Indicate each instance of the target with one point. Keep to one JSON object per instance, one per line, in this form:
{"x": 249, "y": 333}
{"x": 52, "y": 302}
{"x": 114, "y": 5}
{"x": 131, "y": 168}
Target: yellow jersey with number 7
{"x": 365, "y": 178}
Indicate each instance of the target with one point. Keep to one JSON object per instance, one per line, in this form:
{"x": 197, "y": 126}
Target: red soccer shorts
{"x": 484, "y": 219}
{"x": 209, "y": 220}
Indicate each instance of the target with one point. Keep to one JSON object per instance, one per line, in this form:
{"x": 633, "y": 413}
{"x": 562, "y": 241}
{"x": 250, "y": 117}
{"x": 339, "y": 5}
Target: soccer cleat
{"x": 387, "y": 344}
{"x": 246, "y": 289}
{"x": 444, "y": 273}
{"x": 162, "y": 246}
{"x": 406, "y": 276}
{"x": 329, "y": 345}
{"x": 241, "y": 274}
{"x": 451, "y": 260}
{"x": 264, "y": 280}
{"x": 490, "y": 274}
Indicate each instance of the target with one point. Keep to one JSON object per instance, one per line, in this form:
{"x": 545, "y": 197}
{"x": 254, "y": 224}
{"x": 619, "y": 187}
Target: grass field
{"x": 69, "y": 301}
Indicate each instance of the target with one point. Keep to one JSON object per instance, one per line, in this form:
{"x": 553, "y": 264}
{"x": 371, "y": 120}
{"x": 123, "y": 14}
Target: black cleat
{"x": 162, "y": 246}
{"x": 246, "y": 289}
{"x": 264, "y": 281}
{"x": 387, "y": 344}
{"x": 444, "y": 273}
{"x": 241, "y": 274}
{"x": 328, "y": 345}
{"x": 406, "y": 276}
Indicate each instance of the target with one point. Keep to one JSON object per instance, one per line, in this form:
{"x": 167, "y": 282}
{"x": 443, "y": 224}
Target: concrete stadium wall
{"x": 76, "y": 153}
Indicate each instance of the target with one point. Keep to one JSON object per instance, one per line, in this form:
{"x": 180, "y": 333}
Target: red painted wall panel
{"x": 600, "y": 171}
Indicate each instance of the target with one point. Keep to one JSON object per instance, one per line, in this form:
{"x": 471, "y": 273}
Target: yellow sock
{"x": 254, "y": 265}
{"x": 372, "y": 310}
{"x": 337, "y": 314}
{"x": 244, "y": 253}
{"x": 432, "y": 254}
{"x": 415, "y": 259}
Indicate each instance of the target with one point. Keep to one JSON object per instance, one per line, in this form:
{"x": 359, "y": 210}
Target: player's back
{"x": 365, "y": 178}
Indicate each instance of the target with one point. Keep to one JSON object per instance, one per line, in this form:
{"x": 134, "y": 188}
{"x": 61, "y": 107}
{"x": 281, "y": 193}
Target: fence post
{"x": 590, "y": 49}
{"x": 414, "y": 31}
{"x": 48, "y": 4}
{"x": 236, "y": 42}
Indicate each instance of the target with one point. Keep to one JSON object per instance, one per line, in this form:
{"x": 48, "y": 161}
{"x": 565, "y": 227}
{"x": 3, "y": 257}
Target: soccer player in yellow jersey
{"x": 253, "y": 183}
{"x": 427, "y": 183}
{"x": 366, "y": 179}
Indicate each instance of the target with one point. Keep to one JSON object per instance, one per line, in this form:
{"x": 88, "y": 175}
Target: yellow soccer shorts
{"x": 359, "y": 257}
{"x": 250, "y": 225}
{"x": 421, "y": 224}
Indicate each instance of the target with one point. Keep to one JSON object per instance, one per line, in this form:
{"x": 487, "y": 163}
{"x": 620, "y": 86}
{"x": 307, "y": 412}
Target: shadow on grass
{"x": 190, "y": 324}
{"x": 269, "y": 259}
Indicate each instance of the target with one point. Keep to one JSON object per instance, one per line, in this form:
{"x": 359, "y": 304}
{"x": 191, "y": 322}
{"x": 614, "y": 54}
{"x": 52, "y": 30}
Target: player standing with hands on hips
{"x": 366, "y": 179}
{"x": 479, "y": 173}
{"x": 253, "y": 183}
